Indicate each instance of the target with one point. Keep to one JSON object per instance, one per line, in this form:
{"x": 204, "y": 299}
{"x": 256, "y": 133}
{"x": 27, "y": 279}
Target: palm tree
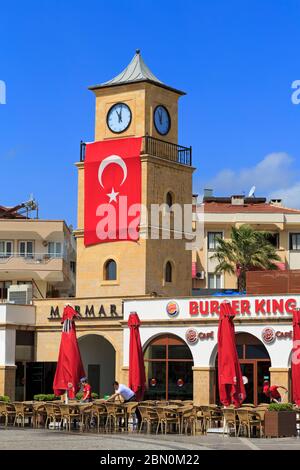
{"x": 246, "y": 250}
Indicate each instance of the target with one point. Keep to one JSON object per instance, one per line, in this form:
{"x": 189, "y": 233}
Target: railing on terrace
{"x": 158, "y": 148}
{"x": 34, "y": 258}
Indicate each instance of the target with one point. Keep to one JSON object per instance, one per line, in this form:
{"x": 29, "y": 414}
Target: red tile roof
{"x": 225, "y": 207}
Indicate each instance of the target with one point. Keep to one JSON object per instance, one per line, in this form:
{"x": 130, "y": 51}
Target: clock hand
{"x": 119, "y": 115}
{"x": 160, "y": 116}
{"x": 121, "y": 107}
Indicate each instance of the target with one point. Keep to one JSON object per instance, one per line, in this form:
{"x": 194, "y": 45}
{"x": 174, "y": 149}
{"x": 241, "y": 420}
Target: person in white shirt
{"x": 125, "y": 392}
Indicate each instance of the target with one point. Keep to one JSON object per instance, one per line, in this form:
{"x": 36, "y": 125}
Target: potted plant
{"x": 280, "y": 420}
{"x": 79, "y": 396}
{"x": 4, "y": 398}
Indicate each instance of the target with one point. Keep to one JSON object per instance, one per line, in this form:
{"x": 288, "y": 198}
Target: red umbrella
{"x": 231, "y": 386}
{"x": 69, "y": 368}
{"x": 295, "y": 357}
{"x": 137, "y": 377}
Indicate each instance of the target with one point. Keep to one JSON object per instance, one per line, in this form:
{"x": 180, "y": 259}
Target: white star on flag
{"x": 112, "y": 195}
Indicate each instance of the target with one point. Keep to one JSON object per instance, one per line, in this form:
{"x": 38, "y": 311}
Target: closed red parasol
{"x": 296, "y": 357}
{"x": 69, "y": 368}
{"x": 231, "y": 386}
{"x": 137, "y": 376}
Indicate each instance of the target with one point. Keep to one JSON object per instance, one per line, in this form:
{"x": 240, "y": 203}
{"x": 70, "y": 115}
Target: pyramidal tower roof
{"x": 136, "y": 71}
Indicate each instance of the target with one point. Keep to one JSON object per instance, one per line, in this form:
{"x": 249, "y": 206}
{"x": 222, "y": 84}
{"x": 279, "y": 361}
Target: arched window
{"x": 110, "y": 270}
{"x": 168, "y": 272}
{"x": 169, "y": 199}
{"x": 169, "y": 369}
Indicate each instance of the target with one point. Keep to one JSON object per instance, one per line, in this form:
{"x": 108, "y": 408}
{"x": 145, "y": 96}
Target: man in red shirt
{"x": 272, "y": 392}
{"x": 87, "y": 390}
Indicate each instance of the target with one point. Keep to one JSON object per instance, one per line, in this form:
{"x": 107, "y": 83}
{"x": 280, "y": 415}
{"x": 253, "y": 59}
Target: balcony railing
{"x": 158, "y": 148}
{"x": 34, "y": 258}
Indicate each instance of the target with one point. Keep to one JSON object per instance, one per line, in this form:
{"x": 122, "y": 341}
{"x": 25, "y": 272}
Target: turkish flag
{"x": 112, "y": 190}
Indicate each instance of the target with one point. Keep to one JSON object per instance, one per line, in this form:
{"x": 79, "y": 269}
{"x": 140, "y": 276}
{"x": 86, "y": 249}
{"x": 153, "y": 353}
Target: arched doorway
{"x": 98, "y": 356}
{"x": 168, "y": 364}
{"x": 255, "y": 363}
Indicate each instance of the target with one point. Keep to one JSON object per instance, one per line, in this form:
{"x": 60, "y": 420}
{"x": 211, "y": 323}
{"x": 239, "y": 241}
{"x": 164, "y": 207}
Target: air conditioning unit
{"x": 200, "y": 275}
{"x": 20, "y": 294}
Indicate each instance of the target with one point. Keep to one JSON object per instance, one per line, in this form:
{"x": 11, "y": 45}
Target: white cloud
{"x": 290, "y": 195}
{"x": 272, "y": 172}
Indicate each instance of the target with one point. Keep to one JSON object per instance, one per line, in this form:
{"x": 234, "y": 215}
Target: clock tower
{"x": 137, "y": 104}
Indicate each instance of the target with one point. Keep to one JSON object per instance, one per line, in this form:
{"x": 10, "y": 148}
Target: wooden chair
{"x": 85, "y": 412}
{"x": 230, "y": 420}
{"x": 23, "y": 411}
{"x": 130, "y": 409}
{"x": 39, "y": 414}
{"x": 99, "y": 413}
{"x": 115, "y": 415}
{"x": 7, "y": 411}
{"x": 148, "y": 416}
{"x": 53, "y": 414}
{"x": 188, "y": 417}
{"x": 209, "y": 415}
{"x": 247, "y": 421}
{"x": 68, "y": 414}
{"x": 167, "y": 416}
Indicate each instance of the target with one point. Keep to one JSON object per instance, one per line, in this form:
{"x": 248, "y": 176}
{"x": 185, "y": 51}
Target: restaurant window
{"x": 168, "y": 272}
{"x": 6, "y": 248}
{"x": 214, "y": 281}
{"x": 212, "y": 240}
{"x": 168, "y": 364}
{"x": 273, "y": 239}
{"x": 26, "y": 249}
{"x": 255, "y": 364}
{"x": 110, "y": 270}
{"x": 4, "y": 286}
{"x": 55, "y": 249}
{"x": 295, "y": 241}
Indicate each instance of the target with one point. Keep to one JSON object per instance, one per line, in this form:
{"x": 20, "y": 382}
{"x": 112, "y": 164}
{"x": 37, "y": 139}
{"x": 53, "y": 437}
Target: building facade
{"x": 220, "y": 214}
{"x": 39, "y": 253}
{"x": 179, "y": 339}
{"x": 150, "y": 277}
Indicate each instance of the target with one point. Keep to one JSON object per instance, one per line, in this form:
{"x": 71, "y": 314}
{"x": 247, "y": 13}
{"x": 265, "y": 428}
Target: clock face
{"x": 119, "y": 118}
{"x": 162, "y": 120}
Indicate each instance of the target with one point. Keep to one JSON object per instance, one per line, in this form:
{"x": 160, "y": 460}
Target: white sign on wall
{"x": 209, "y": 307}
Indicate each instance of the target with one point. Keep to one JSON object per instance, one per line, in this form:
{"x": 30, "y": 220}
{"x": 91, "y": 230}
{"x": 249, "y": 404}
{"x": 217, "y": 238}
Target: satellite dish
{"x": 252, "y": 191}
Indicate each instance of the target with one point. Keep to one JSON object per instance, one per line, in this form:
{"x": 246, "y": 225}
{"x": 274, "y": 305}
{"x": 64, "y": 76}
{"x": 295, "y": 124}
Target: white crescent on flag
{"x": 108, "y": 161}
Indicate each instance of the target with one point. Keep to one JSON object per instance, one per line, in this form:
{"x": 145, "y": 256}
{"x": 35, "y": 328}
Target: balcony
{"x": 38, "y": 266}
{"x": 158, "y": 148}
{"x": 35, "y": 258}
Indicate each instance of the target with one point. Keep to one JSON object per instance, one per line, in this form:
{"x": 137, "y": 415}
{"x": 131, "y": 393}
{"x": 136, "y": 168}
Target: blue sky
{"x": 235, "y": 59}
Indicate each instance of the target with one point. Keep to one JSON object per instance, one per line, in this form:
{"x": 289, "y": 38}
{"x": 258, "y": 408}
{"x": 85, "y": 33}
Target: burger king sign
{"x": 172, "y": 309}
